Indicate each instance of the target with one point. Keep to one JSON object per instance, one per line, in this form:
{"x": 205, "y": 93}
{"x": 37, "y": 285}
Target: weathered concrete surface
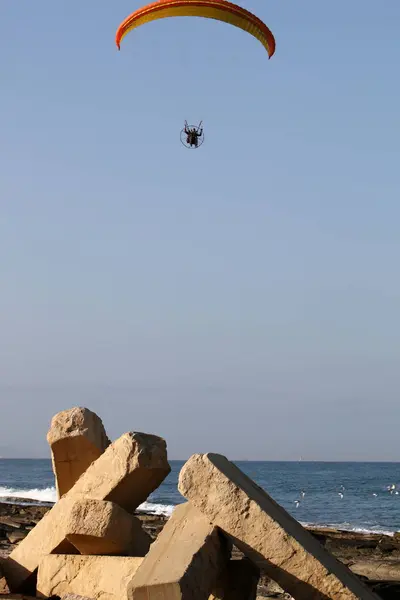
{"x": 75, "y": 597}
{"x": 129, "y": 470}
{"x": 185, "y": 560}
{"x": 77, "y": 525}
{"x": 104, "y": 528}
{"x": 99, "y": 577}
{"x": 48, "y": 536}
{"x": 126, "y": 473}
{"x": 265, "y": 532}
{"x": 77, "y": 437}
{"x": 238, "y": 581}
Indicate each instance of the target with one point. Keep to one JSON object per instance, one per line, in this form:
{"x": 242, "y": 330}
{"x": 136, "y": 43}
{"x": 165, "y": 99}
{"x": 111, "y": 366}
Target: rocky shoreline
{"x": 373, "y": 557}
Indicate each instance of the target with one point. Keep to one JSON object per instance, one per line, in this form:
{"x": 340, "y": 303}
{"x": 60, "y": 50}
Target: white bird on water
{"x": 340, "y": 494}
{"x": 374, "y": 494}
{"x": 302, "y": 494}
{"x": 297, "y": 503}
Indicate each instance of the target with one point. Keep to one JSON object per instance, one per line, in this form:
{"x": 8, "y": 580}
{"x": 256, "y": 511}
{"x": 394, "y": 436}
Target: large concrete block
{"x": 184, "y": 561}
{"x": 129, "y": 470}
{"x": 101, "y": 527}
{"x": 98, "y": 577}
{"x": 126, "y": 473}
{"x": 238, "y": 581}
{"x": 77, "y": 437}
{"x": 265, "y": 532}
{"x": 77, "y": 525}
{"x": 48, "y": 536}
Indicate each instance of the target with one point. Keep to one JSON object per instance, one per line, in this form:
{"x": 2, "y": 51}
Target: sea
{"x": 362, "y": 497}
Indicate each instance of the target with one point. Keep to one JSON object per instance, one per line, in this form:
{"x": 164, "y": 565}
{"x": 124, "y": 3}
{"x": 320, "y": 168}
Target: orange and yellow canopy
{"x": 222, "y": 10}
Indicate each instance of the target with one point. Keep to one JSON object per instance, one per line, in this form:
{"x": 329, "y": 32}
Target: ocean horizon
{"x": 359, "y": 496}
{"x": 243, "y": 460}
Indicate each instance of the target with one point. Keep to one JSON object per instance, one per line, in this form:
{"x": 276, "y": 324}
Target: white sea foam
{"x": 40, "y": 495}
{"x": 156, "y": 509}
{"x": 350, "y": 528}
{"x": 49, "y": 495}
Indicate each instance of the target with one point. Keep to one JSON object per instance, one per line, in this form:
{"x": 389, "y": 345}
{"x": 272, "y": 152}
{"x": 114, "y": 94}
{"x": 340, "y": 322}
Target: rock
{"x": 4, "y": 589}
{"x": 265, "y": 532}
{"x": 387, "y": 591}
{"x": 77, "y": 438}
{"x": 126, "y": 473}
{"x": 10, "y": 522}
{"x": 29, "y": 513}
{"x": 16, "y": 597}
{"x": 238, "y": 581}
{"x": 185, "y": 560}
{"x": 271, "y": 588}
{"x": 377, "y": 570}
{"x": 16, "y": 536}
{"x": 98, "y": 577}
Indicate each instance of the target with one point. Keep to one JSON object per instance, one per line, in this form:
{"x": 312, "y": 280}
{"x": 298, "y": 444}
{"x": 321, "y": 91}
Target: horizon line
{"x": 324, "y": 461}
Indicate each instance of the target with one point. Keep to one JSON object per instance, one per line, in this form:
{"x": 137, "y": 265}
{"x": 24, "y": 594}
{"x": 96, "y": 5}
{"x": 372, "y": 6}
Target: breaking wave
{"x": 156, "y": 509}
{"x": 49, "y": 496}
{"x": 351, "y": 528}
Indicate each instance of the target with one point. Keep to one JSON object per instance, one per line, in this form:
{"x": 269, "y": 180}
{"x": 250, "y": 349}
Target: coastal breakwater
{"x": 215, "y": 546}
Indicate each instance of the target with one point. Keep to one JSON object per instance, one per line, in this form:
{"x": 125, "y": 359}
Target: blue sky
{"x": 242, "y": 298}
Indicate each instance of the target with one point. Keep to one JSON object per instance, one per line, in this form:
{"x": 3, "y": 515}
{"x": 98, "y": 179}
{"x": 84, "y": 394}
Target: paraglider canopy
{"x": 222, "y": 10}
